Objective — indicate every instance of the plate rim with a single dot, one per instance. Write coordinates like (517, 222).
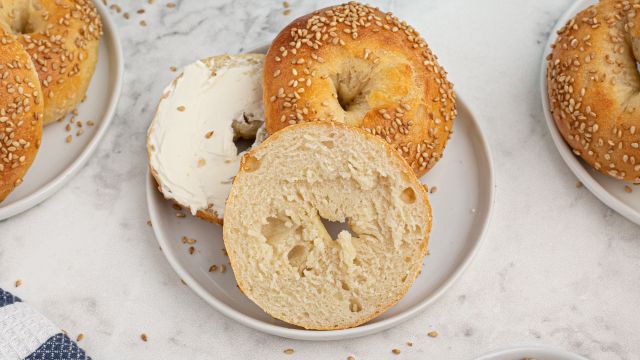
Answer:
(567, 155)
(67, 174)
(520, 349)
(362, 330)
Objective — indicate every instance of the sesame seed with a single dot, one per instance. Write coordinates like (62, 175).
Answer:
(144, 337)
(18, 283)
(288, 351)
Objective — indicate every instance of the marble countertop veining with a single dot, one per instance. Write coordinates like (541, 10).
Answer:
(558, 268)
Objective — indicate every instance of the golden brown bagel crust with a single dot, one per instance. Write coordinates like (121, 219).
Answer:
(21, 107)
(592, 84)
(62, 37)
(381, 67)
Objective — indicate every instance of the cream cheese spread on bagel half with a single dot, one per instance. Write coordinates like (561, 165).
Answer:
(191, 142)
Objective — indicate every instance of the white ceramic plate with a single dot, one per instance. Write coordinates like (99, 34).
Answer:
(461, 210)
(609, 190)
(58, 161)
(539, 353)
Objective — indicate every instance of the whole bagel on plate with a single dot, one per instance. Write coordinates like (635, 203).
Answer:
(356, 65)
(593, 87)
(62, 37)
(21, 107)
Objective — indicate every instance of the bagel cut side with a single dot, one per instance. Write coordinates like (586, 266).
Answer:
(356, 65)
(593, 86)
(282, 255)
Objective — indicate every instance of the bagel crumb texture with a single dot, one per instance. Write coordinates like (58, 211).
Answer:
(592, 84)
(354, 64)
(281, 246)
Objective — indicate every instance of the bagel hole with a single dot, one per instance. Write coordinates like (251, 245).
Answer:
(27, 18)
(350, 84)
(335, 227)
(246, 130)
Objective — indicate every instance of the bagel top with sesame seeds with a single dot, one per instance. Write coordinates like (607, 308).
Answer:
(62, 37)
(21, 107)
(593, 87)
(356, 65)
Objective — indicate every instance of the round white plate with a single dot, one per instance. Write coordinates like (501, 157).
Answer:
(461, 210)
(58, 161)
(609, 190)
(533, 352)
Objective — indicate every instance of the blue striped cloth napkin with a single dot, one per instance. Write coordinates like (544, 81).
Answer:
(25, 334)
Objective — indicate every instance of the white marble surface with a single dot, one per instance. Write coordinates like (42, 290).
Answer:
(558, 267)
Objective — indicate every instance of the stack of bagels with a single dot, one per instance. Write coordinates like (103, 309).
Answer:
(48, 53)
(335, 124)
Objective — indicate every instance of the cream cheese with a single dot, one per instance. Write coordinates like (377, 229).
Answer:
(191, 139)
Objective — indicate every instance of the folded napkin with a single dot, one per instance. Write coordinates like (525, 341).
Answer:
(27, 334)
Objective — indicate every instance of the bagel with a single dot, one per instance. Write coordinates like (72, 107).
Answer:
(21, 107)
(592, 85)
(356, 65)
(62, 37)
(282, 255)
(192, 154)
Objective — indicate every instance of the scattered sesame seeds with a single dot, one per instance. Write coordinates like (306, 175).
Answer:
(144, 337)
(223, 268)
(286, 12)
(288, 351)
(433, 190)
(143, 23)
(192, 250)
(187, 240)
(173, 68)
(395, 351)
(181, 108)
(68, 139)
(213, 268)
(432, 334)
(79, 337)
(18, 283)
(208, 135)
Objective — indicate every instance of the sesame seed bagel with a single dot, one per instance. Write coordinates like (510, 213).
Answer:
(21, 107)
(62, 37)
(593, 87)
(356, 65)
(277, 226)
